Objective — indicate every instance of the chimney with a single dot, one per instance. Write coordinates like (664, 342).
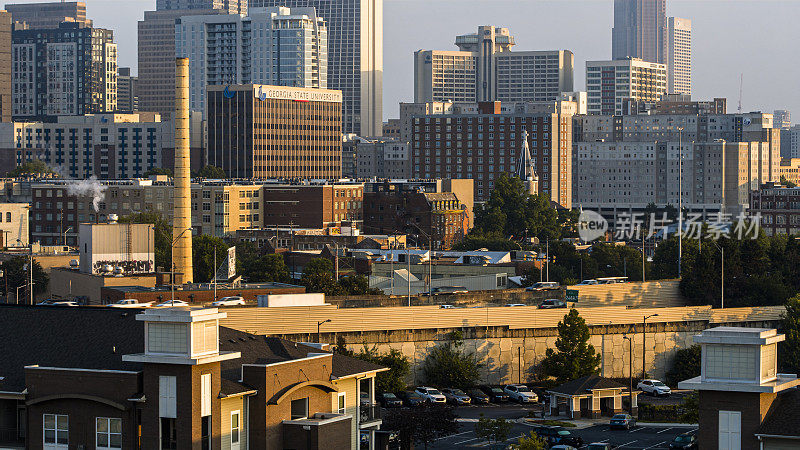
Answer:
(182, 215)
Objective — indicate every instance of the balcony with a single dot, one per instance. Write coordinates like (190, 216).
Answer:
(369, 415)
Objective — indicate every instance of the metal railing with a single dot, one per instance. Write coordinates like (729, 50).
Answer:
(370, 413)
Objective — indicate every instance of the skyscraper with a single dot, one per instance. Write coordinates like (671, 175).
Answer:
(640, 29)
(127, 96)
(5, 66)
(609, 83)
(48, 15)
(781, 119)
(355, 57)
(679, 50)
(485, 69)
(227, 6)
(69, 70)
(275, 46)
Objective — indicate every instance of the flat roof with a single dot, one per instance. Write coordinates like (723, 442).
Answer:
(205, 287)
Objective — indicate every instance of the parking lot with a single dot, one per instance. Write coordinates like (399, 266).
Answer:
(638, 438)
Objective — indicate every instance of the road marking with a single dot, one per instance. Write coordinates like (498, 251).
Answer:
(629, 443)
(464, 442)
(665, 429)
(453, 435)
(656, 445)
(462, 420)
(636, 429)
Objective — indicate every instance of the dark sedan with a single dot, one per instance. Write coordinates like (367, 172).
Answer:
(389, 400)
(686, 441)
(495, 393)
(558, 436)
(411, 398)
(478, 396)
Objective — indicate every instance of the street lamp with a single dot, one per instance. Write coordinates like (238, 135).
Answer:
(644, 340)
(630, 369)
(18, 288)
(320, 324)
(172, 264)
(65, 235)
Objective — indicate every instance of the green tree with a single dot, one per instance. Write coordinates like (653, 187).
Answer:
(787, 183)
(420, 425)
(15, 269)
(203, 249)
(392, 380)
(790, 348)
(530, 442)
(493, 430)
(493, 241)
(162, 235)
(574, 357)
(450, 365)
(318, 277)
(157, 171)
(257, 267)
(210, 171)
(691, 408)
(357, 285)
(30, 167)
(686, 365)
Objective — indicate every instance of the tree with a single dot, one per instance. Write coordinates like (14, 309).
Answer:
(493, 241)
(357, 285)
(30, 167)
(691, 408)
(496, 430)
(787, 183)
(257, 267)
(203, 249)
(686, 365)
(449, 365)
(157, 171)
(574, 357)
(162, 235)
(421, 425)
(318, 277)
(790, 348)
(210, 171)
(530, 442)
(392, 380)
(15, 270)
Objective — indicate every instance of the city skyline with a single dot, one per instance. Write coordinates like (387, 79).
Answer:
(714, 30)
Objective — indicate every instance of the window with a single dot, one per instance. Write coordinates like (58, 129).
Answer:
(300, 408)
(169, 434)
(108, 432)
(341, 402)
(56, 431)
(166, 338)
(235, 427)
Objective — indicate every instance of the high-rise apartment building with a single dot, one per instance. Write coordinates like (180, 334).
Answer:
(609, 83)
(378, 159)
(485, 69)
(259, 131)
(484, 142)
(69, 70)
(640, 30)
(679, 51)
(6, 26)
(275, 46)
(226, 6)
(127, 90)
(48, 15)
(782, 119)
(355, 57)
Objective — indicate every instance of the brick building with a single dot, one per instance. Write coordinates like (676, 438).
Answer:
(486, 143)
(779, 208)
(312, 205)
(164, 378)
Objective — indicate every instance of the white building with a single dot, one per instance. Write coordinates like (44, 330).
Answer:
(679, 50)
(117, 248)
(382, 159)
(485, 69)
(355, 57)
(275, 46)
(609, 82)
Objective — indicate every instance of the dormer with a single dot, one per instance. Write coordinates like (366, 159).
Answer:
(181, 336)
(741, 360)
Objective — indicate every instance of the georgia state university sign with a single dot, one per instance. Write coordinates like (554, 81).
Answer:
(297, 94)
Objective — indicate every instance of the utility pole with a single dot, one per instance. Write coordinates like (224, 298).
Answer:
(336, 261)
(408, 275)
(548, 260)
(215, 274)
(630, 371)
(643, 253)
(680, 198)
(391, 267)
(644, 341)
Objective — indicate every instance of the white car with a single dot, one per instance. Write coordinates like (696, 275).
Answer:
(65, 303)
(520, 393)
(654, 387)
(542, 285)
(130, 303)
(431, 395)
(229, 301)
(170, 303)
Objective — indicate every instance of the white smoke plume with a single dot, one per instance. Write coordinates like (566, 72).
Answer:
(86, 188)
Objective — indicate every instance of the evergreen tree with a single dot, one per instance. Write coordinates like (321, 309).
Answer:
(574, 357)
(790, 348)
(318, 277)
(450, 365)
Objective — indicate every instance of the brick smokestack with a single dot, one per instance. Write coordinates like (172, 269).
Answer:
(182, 215)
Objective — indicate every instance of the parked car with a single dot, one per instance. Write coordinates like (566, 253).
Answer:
(449, 290)
(46, 302)
(410, 398)
(520, 393)
(456, 396)
(430, 394)
(654, 387)
(600, 446)
(563, 447)
(234, 300)
(542, 285)
(552, 303)
(65, 303)
(478, 396)
(389, 400)
(446, 307)
(622, 421)
(169, 303)
(130, 303)
(515, 304)
(496, 395)
(558, 436)
(685, 441)
(588, 282)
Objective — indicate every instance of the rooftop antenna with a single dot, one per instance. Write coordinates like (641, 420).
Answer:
(741, 80)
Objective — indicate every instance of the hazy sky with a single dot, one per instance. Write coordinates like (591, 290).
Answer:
(757, 37)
